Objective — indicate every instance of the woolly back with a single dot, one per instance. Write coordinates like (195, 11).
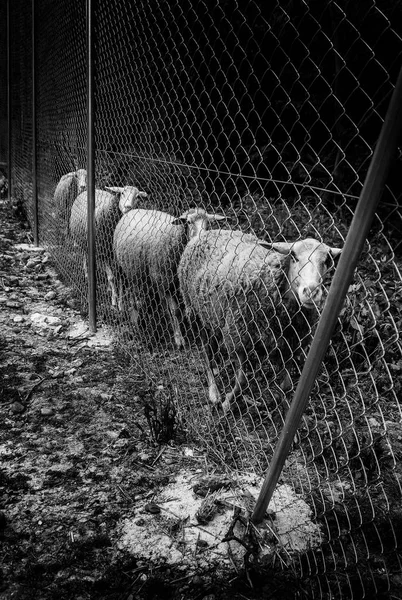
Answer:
(148, 246)
(106, 217)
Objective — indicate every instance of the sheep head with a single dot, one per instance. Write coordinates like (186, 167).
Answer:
(81, 177)
(309, 262)
(129, 197)
(197, 220)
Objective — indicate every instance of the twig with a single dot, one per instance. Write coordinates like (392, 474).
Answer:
(37, 384)
(250, 544)
(182, 578)
(5, 288)
(150, 467)
(159, 455)
(122, 490)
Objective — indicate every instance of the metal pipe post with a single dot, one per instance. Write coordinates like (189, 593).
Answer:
(384, 153)
(9, 164)
(34, 150)
(91, 169)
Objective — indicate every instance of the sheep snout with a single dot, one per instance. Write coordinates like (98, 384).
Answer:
(310, 296)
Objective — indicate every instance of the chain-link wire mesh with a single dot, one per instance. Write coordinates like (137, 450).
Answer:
(21, 105)
(3, 91)
(266, 114)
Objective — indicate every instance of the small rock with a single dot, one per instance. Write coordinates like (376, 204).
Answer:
(50, 295)
(46, 411)
(144, 456)
(11, 304)
(31, 264)
(18, 319)
(44, 320)
(56, 373)
(16, 408)
(152, 508)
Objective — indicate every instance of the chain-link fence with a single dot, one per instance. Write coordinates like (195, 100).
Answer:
(3, 105)
(3, 91)
(265, 113)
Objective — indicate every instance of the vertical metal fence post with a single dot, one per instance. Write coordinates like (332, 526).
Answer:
(369, 198)
(91, 169)
(9, 173)
(34, 155)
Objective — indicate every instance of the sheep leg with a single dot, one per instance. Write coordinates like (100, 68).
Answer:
(135, 304)
(213, 392)
(174, 311)
(85, 267)
(122, 286)
(240, 380)
(134, 316)
(120, 302)
(111, 284)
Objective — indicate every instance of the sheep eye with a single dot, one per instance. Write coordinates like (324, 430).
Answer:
(293, 256)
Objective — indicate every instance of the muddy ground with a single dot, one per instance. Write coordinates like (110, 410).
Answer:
(77, 458)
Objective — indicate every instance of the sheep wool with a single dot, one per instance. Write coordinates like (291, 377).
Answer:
(148, 248)
(109, 206)
(67, 189)
(238, 290)
(148, 245)
(233, 285)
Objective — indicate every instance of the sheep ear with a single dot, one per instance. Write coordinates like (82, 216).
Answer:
(335, 252)
(281, 247)
(142, 194)
(116, 190)
(216, 217)
(182, 220)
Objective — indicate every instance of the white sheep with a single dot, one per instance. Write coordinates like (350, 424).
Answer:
(67, 189)
(109, 206)
(247, 295)
(148, 246)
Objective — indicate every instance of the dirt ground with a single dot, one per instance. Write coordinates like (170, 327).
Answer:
(78, 461)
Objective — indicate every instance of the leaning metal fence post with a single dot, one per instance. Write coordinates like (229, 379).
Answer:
(9, 173)
(91, 170)
(369, 198)
(34, 140)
